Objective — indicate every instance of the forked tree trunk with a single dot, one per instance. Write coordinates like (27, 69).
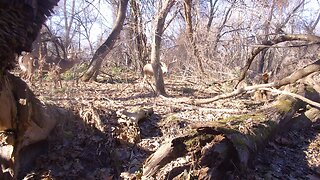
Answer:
(104, 49)
(156, 44)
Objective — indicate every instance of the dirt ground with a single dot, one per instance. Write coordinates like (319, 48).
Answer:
(98, 143)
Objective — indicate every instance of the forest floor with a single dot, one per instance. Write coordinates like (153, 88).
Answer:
(98, 143)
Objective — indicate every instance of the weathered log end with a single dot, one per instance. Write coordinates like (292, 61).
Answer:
(25, 123)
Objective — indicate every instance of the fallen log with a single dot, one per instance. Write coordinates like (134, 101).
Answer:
(223, 148)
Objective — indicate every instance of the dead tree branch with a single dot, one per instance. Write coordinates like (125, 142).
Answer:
(277, 91)
(233, 93)
(280, 39)
(299, 74)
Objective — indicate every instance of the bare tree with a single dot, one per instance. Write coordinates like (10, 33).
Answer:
(156, 44)
(68, 22)
(86, 21)
(211, 13)
(139, 36)
(187, 4)
(278, 29)
(104, 49)
(266, 37)
(312, 26)
(267, 44)
(223, 24)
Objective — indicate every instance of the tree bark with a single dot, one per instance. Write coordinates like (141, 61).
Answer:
(187, 4)
(105, 48)
(211, 13)
(140, 45)
(24, 119)
(156, 44)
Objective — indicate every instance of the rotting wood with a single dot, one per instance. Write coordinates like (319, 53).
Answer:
(299, 74)
(230, 143)
(293, 95)
(30, 121)
(305, 119)
(311, 82)
(137, 114)
(26, 120)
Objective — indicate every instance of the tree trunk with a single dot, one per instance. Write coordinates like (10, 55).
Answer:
(141, 52)
(189, 31)
(104, 49)
(278, 30)
(211, 13)
(68, 25)
(266, 27)
(156, 44)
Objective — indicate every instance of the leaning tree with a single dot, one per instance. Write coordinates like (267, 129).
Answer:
(104, 49)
